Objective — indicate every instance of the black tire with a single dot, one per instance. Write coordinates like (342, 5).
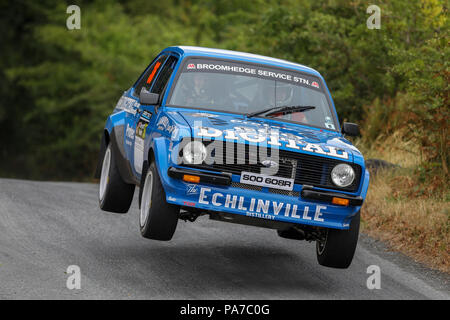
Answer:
(339, 246)
(158, 219)
(114, 194)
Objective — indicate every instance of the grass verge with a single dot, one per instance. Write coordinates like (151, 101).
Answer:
(407, 208)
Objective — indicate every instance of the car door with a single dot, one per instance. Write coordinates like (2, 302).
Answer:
(145, 117)
(146, 80)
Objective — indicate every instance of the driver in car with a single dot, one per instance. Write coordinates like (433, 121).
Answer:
(280, 94)
(198, 94)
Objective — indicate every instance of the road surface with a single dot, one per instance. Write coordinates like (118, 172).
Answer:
(47, 226)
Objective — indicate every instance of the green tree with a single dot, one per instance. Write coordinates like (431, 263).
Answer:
(80, 78)
(58, 86)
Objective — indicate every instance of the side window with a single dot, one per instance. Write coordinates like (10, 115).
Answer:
(164, 75)
(149, 76)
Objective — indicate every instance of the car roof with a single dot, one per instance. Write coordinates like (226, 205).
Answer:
(243, 56)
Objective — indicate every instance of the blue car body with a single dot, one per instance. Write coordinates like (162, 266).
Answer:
(142, 133)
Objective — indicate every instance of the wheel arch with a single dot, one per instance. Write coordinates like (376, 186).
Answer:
(150, 155)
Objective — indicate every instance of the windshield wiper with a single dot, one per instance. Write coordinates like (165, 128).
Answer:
(281, 109)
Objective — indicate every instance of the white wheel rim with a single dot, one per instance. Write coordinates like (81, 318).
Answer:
(146, 198)
(104, 177)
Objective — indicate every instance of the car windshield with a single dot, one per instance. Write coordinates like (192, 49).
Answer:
(246, 89)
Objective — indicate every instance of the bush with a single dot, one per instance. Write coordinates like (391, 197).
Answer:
(62, 84)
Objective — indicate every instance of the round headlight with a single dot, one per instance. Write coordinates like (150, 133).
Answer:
(194, 152)
(342, 175)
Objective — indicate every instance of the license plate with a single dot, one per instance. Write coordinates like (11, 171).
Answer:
(263, 180)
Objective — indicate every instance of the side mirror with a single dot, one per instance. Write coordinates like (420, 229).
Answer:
(148, 98)
(351, 129)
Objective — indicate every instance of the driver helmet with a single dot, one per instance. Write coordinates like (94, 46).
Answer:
(279, 93)
(283, 93)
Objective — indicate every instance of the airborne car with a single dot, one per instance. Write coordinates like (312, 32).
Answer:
(240, 137)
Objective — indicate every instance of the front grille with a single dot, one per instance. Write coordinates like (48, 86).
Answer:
(258, 188)
(305, 169)
(285, 192)
(246, 186)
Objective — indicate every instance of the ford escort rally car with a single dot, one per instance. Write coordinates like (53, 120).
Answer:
(240, 137)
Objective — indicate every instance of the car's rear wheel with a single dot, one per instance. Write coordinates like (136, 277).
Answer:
(158, 219)
(114, 194)
(338, 247)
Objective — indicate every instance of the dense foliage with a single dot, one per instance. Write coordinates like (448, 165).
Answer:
(57, 86)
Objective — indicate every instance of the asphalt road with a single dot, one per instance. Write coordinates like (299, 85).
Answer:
(45, 227)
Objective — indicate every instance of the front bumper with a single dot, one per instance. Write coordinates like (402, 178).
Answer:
(215, 192)
(205, 178)
(327, 196)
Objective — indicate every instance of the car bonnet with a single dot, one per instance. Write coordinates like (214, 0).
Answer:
(209, 125)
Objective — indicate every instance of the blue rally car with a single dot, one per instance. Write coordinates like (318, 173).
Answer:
(240, 137)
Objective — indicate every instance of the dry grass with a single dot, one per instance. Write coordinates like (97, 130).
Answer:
(394, 149)
(412, 217)
(418, 227)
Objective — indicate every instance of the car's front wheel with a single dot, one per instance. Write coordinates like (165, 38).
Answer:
(337, 248)
(114, 194)
(158, 219)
